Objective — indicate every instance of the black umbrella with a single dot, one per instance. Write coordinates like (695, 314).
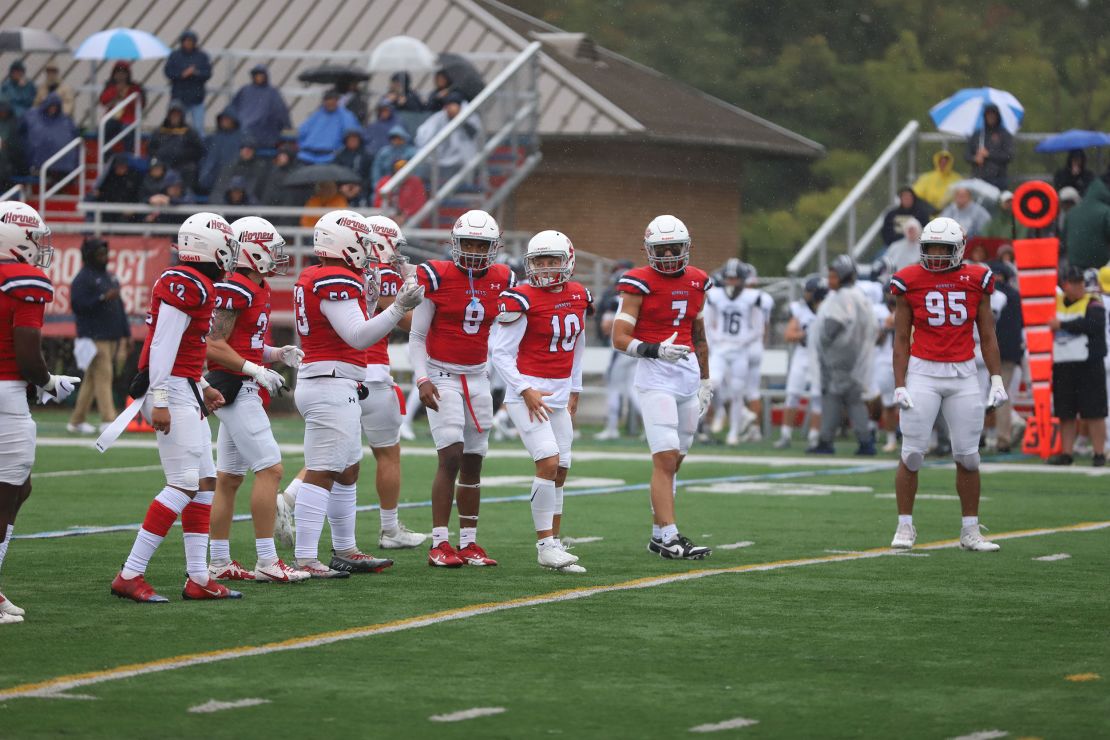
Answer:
(30, 39)
(315, 173)
(464, 75)
(333, 74)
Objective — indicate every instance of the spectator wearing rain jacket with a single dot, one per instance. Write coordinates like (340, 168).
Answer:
(353, 155)
(376, 134)
(220, 149)
(118, 88)
(187, 69)
(400, 147)
(401, 95)
(443, 83)
(55, 84)
(461, 146)
(120, 184)
(990, 149)
(908, 207)
(48, 130)
(17, 89)
(321, 137)
(971, 216)
(261, 111)
(254, 170)
(1087, 236)
(933, 187)
(178, 145)
(11, 140)
(407, 199)
(1074, 173)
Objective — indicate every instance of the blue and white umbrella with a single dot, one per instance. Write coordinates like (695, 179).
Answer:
(962, 113)
(122, 43)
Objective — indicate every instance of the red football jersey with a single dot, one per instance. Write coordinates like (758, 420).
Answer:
(391, 282)
(319, 340)
(671, 302)
(945, 306)
(24, 292)
(192, 293)
(460, 328)
(252, 301)
(554, 322)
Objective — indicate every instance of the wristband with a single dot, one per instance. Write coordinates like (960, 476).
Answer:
(250, 368)
(161, 397)
(649, 350)
(203, 384)
(422, 381)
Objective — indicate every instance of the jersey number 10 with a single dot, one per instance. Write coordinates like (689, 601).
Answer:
(954, 315)
(571, 327)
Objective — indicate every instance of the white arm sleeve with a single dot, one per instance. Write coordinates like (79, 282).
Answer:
(576, 369)
(504, 343)
(418, 338)
(354, 328)
(172, 323)
(270, 354)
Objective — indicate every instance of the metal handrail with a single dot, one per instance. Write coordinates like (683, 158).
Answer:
(78, 172)
(471, 110)
(136, 126)
(819, 241)
(13, 193)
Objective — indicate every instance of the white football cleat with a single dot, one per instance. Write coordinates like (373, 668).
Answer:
(607, 434)
(972, 539)
(719, 420)
(572, 568)
(407, 433)
(554, 557)
(279, 572)
(10, 618)
(82, 428)
(7, 607)
(904, 537)
(891, 446)
(400, 538)
(732, 440)
(285, 527)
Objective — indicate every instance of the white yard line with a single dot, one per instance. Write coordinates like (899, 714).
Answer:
(983, 735)
(735, 545)
(63, 684)
(728, 724)
(218, 706)
(468, 714)
(95, 471)
(1053, 558)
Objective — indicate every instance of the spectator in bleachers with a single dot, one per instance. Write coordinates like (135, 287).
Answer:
(321, 137)
(261, 111)
(117, 89)
(442, 81)
(48, 131)
(461, 146)
(154, 181)
(351, 98)
(17, 89)
(188, 68)
(6, 173)
(353, 155)
(11, 141)
(177, 144)
(1074, 173)
(909, 206)
(253, 169)
(400, 147)
(1069, 198)
(174, 193)
(401, 95)
(990, 149)
(971, 216)
(354, 193)
(1003, 225)
(120, 184)
(907, 250)
(377, 133)
(407, 199)
(55, 84)
(237, 193)
(327, 195)
(221, 147)
(1087, 228)
(275, 193)
(933, 187)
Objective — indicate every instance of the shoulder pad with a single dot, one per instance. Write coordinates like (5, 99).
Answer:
(338, 284)
(389, 282)
(28, 284)
(508, 317)
(630, 283)
(898, 285)
(515, 300)
(182, 289)
(429, 275)
(232, 295)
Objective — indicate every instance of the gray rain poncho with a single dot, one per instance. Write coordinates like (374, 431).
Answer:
(842, 340)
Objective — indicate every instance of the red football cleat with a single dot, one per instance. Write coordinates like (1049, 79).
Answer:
(231, 571)
(473, 554)
(444, 556)
(136, 589)
(193, 591)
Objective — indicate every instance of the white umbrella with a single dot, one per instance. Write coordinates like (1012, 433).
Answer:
(122, 43)
(30, 39)
(402, 54)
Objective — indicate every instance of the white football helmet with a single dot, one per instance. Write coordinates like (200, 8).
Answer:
(207, 237)
(946, 232)
(667, 243)
(475, 226)
(386, 241)
(261, 247)
(343, 235)
(549, 244)
(24, 236)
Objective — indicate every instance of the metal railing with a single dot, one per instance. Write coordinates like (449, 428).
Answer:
(506, 111)
(78, 172)
(134, 127)
(15, 192)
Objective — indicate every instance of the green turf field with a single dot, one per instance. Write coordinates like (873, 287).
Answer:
(848, 642)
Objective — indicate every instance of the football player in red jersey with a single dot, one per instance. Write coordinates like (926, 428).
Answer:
(24, 292)
(329, 302)
(939, 301)
(170, 385)
(659, 321)
(537, 346)
(237, 350)
(448, 344)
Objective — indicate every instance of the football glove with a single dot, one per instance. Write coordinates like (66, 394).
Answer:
(264, 376)
(291, 355)
(410, 296)
(902, 398)
(705, 396)
(672, 352)
(58, 388)
(996, 396)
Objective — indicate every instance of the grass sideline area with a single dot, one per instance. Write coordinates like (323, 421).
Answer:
(806, 626)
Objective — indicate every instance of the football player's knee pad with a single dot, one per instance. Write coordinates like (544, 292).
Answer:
(968, 462)
(912, 460)
(186, 479)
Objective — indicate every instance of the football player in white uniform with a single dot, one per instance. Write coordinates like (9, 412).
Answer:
(622, 368)
(799, 381)
(733, 327)
(760, 305)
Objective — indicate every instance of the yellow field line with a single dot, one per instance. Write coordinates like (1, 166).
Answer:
(55, 686)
